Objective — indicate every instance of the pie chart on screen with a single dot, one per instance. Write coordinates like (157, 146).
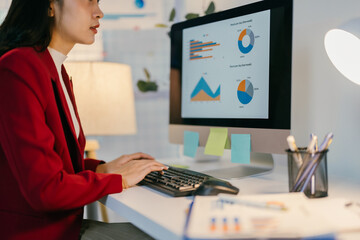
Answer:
(245, 91)
(246, 48)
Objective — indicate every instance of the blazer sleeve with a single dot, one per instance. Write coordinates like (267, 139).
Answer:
(91, 164)
(28, 142)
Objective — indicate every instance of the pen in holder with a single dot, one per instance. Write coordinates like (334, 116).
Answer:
(308, 172)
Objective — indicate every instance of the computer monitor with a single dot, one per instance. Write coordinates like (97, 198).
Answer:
(233, 69)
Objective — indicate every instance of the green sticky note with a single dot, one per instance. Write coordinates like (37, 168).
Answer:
(179, 166)
(216, 141)
(240, 148)
(227, 144)
(191, 143)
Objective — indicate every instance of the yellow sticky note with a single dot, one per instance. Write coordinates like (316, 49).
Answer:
(216, 141)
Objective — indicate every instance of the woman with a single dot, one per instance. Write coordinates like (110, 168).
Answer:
(45, 182)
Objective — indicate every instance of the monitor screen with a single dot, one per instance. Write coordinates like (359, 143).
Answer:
(227, 77)
(233, 69)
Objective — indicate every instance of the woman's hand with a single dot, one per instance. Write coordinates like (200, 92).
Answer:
(134, 171)
(114, 165)
(133, 167)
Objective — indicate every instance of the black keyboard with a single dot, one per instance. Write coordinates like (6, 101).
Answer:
(178, 182)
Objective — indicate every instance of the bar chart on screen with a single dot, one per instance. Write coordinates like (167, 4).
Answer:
(201, 50)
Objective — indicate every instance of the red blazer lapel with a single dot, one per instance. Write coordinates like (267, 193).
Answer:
(69, 87)
(80, 143)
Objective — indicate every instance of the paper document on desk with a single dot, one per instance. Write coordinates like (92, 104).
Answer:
(289, 215)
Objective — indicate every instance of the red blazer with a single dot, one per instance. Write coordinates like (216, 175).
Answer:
(44, 179)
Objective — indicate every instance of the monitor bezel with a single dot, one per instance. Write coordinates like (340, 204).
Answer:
(279, 67)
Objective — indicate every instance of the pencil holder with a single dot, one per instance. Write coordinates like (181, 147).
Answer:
(308, 172)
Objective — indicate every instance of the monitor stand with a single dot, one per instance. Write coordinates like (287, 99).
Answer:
(222, 167)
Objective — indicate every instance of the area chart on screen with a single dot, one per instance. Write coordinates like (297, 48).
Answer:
(202, 92)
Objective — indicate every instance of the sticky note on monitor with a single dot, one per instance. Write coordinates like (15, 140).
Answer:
(216, 141)
(191, 143)
(240, 148)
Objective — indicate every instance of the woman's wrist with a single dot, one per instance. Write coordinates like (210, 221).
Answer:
(101, 168)
(124, 183)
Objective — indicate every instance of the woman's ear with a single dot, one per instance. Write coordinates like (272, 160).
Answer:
(51, 11)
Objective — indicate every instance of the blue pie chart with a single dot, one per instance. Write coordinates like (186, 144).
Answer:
(245, 91)
(246, 49)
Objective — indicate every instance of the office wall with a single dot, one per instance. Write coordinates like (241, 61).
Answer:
(4, 5)
(133, 39)
(323, 100)
(148, 47)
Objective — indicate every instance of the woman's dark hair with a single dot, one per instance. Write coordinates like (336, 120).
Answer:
(27, 24)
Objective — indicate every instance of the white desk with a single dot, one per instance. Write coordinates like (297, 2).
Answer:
(163, 217)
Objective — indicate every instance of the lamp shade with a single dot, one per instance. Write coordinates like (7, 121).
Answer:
(104, 97)
(343, 48)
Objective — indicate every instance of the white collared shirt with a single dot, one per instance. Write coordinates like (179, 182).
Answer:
(59, 59)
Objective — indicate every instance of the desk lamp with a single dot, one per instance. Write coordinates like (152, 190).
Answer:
(105, 101)
(104, 97)
(343, 48)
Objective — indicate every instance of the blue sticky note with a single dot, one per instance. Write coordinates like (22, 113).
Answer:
(191, 143)
(240, 148)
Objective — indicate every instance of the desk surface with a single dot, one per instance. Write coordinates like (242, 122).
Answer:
(163, 217)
